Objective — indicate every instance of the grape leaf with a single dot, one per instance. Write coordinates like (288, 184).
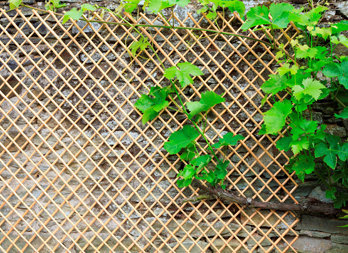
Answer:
(309, 87)
(307, 19)
(299, 144)
(184, 73)
(275, 117)
(53, 5)
(228, 139)
(184, 183)
(130, 5)
(322, 32)
(284, 143)
(188, 172)
(302, 165)
(257, 16)
(209, 176)
(330, 158)
(14, 4)
(280, 14)
(303, 51)
(237, 6)
(343, 152)
(180, 139)
(339, 27)
(332, 70)
(191, 170)
(154, 6)
(189, 153)
(74, 14)
(341, 39)
(181, 3)
(150, 105)
(141, 45)
(88, 7)
(343, 78)
(201, 161)
(274, 84)
(207, 101)
(286, 69)
(221, 170)
(343, 114)
(301, 127)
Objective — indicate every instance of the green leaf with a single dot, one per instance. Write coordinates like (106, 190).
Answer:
(343, 114)
(188, 172)
(233, 6)
(341, 39)
(309, 87)
(343, 78)
(150, 105)
(72, 14)
(308, 19)
(141, 45)
(14, 4)
(330, 158)
(339, 27)
(343, 152)
(209, 177)
(332, 70)
(170, 73)
(286, 69)
(208, 100)
(181, 3)
(189, 153)
(183, 183)
(154, 6)
(280, 14)
(180, 139)
(184, 73)
(301, 127)
(221, 170)
(284, 143)
(186, 70)
(299, 144)
(228, 139)
(303, 51)
(274, 84)
(88, 7)
(53, 5)
(211, 15)
(275, 117)
(302, 165)
(322, 32)
(130, 5)
(256, 16)
(201, 161)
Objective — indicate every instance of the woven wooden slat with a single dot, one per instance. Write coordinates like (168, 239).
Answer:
(79, 172)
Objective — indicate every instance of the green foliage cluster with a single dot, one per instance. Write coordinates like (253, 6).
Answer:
(309, 73)
(314, 73)
(345, 217)
(184, 142)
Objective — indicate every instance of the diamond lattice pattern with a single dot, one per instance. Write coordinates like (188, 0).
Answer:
(80, 173)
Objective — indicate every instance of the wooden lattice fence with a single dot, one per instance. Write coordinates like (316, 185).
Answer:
(78, 170)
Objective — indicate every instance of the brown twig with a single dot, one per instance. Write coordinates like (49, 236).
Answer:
(312, 208)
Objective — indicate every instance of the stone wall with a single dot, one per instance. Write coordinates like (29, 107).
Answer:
(316, 234)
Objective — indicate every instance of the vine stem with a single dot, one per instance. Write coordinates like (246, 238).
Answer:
(194, 123)
(158, 26)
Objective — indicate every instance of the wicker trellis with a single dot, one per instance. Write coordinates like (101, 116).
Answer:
(78, 170)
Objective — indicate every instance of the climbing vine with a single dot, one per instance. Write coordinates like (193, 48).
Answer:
(309, 70)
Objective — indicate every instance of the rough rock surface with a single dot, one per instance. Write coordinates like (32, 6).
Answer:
(69, 154)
